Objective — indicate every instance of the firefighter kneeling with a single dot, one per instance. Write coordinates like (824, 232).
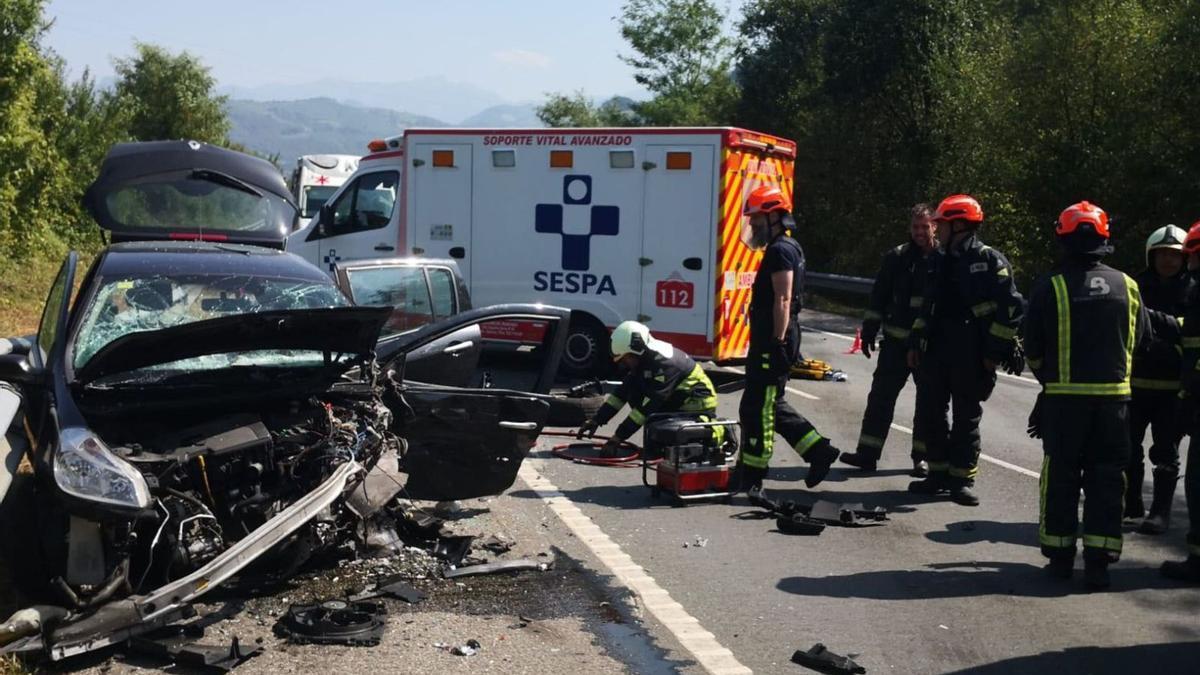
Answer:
(1084, 322)
(661, 379)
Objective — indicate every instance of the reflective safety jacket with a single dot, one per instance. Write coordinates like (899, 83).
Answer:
(1156, 367)
(665, 380)
(1190, 339)
(897, 295)
(1084, 323)
(972, 283)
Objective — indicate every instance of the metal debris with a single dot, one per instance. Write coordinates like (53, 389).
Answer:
(334, 622)
(178, 645)
(820, 659)
(493, 568)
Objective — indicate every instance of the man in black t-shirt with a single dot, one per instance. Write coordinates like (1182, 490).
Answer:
(775, 346)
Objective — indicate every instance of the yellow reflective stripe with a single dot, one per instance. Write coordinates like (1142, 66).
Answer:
(918, 324)
(810, 439)
(964, 473)
(1159, 385)
(756, 461)
(919, 446)
(1106, 543)
(868, 441)
(613, 401)
(1003, 332)
(896, 332)
(1063, 303)
(768, 421)
(983, 308)
(1044, 538)
(916, 301)
(872, 315)
(1089, 388)
(1191, 342)
(1135, 306)
(637, 416)
(1035, 364)
(1002, 272)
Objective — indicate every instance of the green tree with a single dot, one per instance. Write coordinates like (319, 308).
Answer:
(577, 110)
(170, 96)
(682, 55)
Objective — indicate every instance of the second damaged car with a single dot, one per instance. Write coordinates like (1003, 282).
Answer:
(203, 404)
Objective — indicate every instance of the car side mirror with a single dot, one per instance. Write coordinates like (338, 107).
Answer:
(16, 369)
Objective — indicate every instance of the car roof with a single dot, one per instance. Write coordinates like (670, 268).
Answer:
(149, 258)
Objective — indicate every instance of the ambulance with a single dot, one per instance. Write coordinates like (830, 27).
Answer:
(614, 224)
(316, 178)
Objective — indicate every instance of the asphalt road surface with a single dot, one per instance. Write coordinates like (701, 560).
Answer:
(939, 588)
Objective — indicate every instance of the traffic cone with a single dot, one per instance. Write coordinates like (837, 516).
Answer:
(857, 346)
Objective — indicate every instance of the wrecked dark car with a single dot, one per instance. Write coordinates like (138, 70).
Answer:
(205, 403)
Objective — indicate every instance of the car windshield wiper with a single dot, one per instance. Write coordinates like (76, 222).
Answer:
(225, 179)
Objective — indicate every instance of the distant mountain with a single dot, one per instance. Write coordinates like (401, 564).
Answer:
(507, 115)
(433, 96)
(314, 125)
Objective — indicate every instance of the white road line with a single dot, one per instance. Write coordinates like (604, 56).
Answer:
(703, 645)
(801, 394)
(850, 338)
(994, 460)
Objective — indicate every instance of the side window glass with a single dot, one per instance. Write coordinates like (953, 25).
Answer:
(49, 327)
(441, 287)
(401, 288)
(367, 204)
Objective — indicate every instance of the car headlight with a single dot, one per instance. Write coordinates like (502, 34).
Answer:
(85, 468)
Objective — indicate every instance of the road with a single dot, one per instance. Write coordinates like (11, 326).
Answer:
(939, 588)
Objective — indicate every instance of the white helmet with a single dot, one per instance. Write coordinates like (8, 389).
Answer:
(631, 337)
(1165, 237)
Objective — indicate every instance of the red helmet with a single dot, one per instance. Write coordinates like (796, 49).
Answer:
(1080, 214)
(959, 207)
(1192, 243)
(766, 199)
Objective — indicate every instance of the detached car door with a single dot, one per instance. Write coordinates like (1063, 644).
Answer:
(469, 441)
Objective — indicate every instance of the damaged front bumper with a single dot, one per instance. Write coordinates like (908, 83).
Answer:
(119, 620)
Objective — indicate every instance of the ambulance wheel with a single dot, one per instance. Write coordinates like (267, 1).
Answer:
(586, 351)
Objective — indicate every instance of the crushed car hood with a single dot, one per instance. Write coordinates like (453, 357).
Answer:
(347, 330)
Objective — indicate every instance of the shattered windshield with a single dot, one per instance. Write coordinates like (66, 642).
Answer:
(128, 305)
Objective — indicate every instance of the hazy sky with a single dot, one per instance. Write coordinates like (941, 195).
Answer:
(519, 49)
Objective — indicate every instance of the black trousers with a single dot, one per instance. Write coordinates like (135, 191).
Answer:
(952, 385)
(1158, 410)
(891, 374)
(1086, 445)
(763, 413)
(1191, 488)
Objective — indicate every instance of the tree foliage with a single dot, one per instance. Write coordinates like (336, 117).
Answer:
(577, 110)
(171, 96)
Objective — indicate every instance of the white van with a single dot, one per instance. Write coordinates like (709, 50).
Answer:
(316, 178)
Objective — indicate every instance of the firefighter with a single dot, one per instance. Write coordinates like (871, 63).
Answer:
(775, 301)
(1188, 569)
(1084, 322)
(896, 297)
(965, 330)
(660, 379)
(1165, 286)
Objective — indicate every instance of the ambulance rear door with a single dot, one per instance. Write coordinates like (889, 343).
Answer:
(678, 274)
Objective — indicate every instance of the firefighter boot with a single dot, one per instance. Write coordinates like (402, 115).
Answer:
(920, 469)
(1061, 566)
(937, 482)
(746, 478)
(859, 460)
(1134, 506)
(1183, 570)
(1159, 518)
(820, 458)
(1095, 574)
(964, 494)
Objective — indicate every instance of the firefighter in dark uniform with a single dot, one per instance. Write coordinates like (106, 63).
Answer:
(1084, 322)
(775, 300)
(1165, 286)
(967, 328)
(896, 298)
(1188, 569)
(660, 379)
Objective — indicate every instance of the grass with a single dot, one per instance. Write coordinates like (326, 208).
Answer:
(23, 291)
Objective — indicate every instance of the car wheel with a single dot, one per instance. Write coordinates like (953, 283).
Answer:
(586, 351)
(570, 411)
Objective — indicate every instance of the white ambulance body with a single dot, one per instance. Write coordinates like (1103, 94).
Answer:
(316, 178)
(615, 224)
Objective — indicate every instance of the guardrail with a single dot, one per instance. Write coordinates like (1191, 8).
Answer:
(839, 282)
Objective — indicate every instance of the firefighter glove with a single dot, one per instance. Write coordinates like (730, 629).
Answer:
(1035, 419)
(781, 358)
(868, 343)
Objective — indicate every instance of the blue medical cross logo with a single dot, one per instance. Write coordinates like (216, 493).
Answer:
(576, 248)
